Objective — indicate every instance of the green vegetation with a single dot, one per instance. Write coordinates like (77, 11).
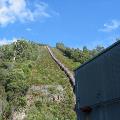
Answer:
(72, 58)
(33, 86)
(69, 63)
(22, 65)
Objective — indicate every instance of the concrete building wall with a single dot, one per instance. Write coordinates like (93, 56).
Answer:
(102, 112)
(98, 86)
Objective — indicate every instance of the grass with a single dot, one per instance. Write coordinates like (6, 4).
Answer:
(47, 72)
(69, 63)
(42, 70)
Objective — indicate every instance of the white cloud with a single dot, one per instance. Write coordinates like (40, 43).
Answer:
(28, 29)
(113, 25)
(14, 10)
(4, 41)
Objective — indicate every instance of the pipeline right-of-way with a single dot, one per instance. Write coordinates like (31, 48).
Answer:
(67, 72)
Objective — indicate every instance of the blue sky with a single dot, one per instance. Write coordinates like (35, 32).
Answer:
(76, 23)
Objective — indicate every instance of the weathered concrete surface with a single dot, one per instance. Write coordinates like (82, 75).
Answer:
(43, 93)
(46, 93)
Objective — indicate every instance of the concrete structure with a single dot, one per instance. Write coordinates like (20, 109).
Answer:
(98, 86)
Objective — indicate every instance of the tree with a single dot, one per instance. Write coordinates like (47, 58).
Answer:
(117, 39)
(99, 48)
(60, 46)
(85, 49)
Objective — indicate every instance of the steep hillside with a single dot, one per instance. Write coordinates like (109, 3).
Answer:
(35, 87)
(74, 57)
(69, 63)
(3, 102)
